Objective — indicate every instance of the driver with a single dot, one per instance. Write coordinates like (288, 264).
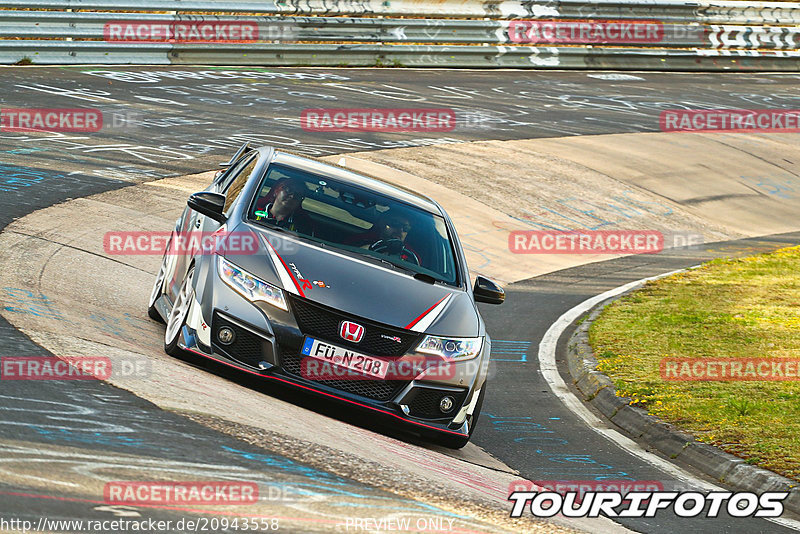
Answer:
(281, 206)
(388, 236)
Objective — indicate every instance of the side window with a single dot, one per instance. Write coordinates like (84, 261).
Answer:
(236, 182)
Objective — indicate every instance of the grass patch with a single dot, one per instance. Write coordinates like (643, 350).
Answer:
(741, 308)
(392, 64)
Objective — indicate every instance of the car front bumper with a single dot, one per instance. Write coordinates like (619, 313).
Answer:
(270, 349)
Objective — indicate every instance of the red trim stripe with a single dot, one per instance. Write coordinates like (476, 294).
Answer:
(291, 274)
(426, 312)
(324, 393)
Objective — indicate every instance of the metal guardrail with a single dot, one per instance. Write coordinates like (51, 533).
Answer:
(702, 11)
(334, 55)
(33, 24)
(529, 36)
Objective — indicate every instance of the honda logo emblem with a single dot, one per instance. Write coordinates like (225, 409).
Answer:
(351, 331)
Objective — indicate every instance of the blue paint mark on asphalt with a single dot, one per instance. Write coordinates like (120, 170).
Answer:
(570, 466)
(12, 177)
(784, 186)
(118, 327)
(323, 481)
(23, 151)
(99, 438)
(109, 325)
(289, 466)
(575, 213)
(26, 302)
(514, 351)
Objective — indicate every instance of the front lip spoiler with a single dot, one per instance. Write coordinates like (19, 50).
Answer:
(195, 349)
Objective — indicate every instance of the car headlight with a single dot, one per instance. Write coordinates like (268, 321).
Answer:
(249, 286)
(451, 348)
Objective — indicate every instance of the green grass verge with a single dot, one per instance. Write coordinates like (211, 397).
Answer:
(745, 308)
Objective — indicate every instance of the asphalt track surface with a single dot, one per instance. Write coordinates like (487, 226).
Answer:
(183, 122)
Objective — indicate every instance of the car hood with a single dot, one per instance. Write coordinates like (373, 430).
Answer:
(360, 287)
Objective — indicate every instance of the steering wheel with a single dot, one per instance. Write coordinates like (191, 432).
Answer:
(395, 247)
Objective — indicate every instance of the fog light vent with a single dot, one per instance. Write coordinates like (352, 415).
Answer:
(446, 404)
(226, 336)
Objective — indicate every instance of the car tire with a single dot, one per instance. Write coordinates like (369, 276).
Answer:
(152, 312)
(156, 293)
(457, 442)
(177, 316)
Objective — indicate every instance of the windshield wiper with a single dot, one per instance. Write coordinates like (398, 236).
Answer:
(375, 259)
(428, 279)
(398, 266)
(270, 226)
(423, 277)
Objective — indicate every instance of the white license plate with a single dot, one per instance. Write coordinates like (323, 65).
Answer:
(347, 358)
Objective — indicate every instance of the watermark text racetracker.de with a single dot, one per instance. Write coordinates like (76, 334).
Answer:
(582, 487)
(198, 31)
(353, 366)
(378, 120)
(714, 369)
(600, 32)
(181, 493)
(65, 120)
(613, 504)
(597, 241)
(730, 120)
(148, 243)
(74, 368)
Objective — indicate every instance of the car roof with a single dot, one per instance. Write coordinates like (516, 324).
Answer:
(353, 178)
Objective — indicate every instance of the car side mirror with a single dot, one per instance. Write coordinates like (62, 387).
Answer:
(209, 204)
(487, 291)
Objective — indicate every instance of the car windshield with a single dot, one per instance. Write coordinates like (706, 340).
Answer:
(355, 220)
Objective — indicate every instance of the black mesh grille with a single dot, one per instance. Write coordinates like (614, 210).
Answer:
(247, 347)
(381, 390)
(425, 402)
(317, 320)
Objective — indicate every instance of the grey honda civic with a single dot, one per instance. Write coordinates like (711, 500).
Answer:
(333, 282)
